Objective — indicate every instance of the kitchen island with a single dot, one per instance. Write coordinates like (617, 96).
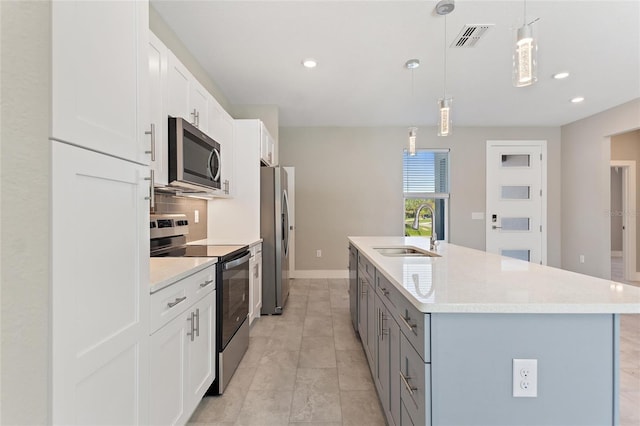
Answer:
(441, 333)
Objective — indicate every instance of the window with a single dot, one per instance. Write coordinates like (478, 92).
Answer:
(425, 178)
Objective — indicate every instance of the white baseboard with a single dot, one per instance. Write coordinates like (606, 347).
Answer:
(320, 273)
(616, 253)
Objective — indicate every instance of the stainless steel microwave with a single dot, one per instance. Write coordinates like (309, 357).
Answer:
(194, 158)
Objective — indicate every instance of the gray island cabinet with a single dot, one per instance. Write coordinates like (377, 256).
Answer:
(443, 335)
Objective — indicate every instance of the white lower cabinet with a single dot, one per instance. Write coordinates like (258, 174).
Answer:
(182, 361)
(99, 288)
(255, 282)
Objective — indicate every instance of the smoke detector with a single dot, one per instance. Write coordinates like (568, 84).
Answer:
(445, 7)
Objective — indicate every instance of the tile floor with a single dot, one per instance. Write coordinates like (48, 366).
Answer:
(307, 367)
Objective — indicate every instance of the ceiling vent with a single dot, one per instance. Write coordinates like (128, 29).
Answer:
(470, 35)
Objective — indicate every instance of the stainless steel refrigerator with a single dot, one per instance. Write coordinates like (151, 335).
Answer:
(274, 231)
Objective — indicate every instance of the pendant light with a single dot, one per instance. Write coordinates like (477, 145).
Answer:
(411, 65)
(444, 7)
(525, 61)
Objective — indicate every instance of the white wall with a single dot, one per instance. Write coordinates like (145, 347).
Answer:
(25, 31)
(586, 152)
(349, 182)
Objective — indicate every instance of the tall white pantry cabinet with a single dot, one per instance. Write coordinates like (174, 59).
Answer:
(100, 211)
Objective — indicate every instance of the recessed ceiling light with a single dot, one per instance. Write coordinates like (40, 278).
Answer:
(577, 99)
(309, 63)
(561, 75)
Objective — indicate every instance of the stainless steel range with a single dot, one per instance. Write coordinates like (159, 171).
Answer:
(168, 239)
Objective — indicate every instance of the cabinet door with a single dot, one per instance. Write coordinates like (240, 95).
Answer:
(99, 76)
(257, 296)
(394, 367)
(228, 155)
(178, 79)
(252, 285)
(198, 105)
(382, 352)
(158, 107)
(371, 327)
(363, 288)
(100, 288)
(167, 366)
(201, 350)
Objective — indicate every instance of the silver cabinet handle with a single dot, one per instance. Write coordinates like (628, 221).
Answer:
(175, 302)
(496, 227)
(226, 186)
(364, 290)
(192, 321)
(407, 323)
(405, 380)
(197, 326)
(195, 117)
(152, 132)
(384, 291)
(206, 283)
(152, 184)
(255, 271)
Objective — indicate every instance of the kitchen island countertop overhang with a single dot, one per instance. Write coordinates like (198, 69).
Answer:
(467, 280)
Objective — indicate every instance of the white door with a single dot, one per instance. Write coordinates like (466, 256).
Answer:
(167, 365)
(178, 81)
(99, 288)
(516, 199)
(99, 76)
(158, 107)
(200, 350)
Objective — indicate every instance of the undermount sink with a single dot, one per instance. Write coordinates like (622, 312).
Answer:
(404, 251)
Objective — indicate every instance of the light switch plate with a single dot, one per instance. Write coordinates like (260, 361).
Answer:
(525, 378)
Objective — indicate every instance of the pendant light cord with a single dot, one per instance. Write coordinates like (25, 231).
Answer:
(444, 95)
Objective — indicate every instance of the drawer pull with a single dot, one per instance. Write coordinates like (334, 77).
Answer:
(206, 283)
(175, 302)
(384, 291)
(407, 323)
(405, 380)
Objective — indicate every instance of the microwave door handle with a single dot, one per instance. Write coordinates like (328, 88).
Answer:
(217, 176)
(209, 172)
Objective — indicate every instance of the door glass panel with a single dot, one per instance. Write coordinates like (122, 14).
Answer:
(514, 192)
(515, 160)
(517, 254)
(515, 223)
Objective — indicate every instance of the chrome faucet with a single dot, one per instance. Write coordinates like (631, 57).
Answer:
(416, 224)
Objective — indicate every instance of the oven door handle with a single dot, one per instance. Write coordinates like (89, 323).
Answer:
(236, 262)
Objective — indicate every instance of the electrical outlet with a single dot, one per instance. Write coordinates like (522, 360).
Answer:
(525, 378)
(582, 258)
(318, 253)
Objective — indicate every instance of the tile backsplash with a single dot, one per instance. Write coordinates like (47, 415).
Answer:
(167, 203)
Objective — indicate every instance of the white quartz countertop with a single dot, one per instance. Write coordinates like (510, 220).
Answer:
(165, 271)
(468, 280)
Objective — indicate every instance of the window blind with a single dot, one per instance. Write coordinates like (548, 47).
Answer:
(427, 172)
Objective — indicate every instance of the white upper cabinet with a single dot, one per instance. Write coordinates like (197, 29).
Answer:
(158, 97)
(221, 129)
(99, 76)
(267, 147)
(178, 84)
(188, 99)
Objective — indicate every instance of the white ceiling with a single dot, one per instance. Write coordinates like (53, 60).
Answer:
(253, 51)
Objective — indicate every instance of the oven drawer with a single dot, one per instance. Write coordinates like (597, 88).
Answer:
(171, 301)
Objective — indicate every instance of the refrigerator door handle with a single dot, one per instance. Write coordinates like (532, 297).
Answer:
(285, 222)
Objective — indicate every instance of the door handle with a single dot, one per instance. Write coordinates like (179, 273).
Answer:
(496, 227)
